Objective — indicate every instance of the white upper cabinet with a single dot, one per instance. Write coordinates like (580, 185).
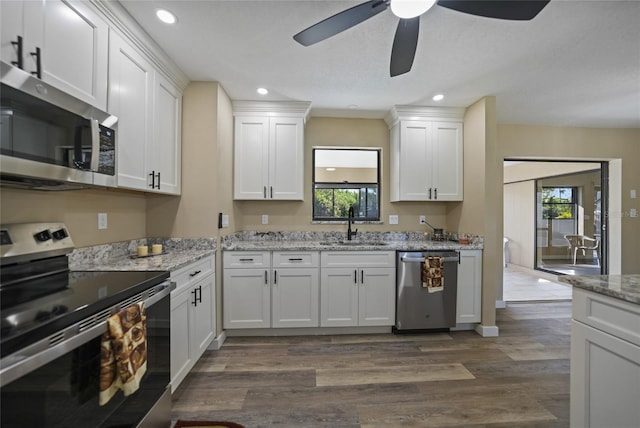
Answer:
(426, 154)
(66, 42)
(148, 108)
(269, 150)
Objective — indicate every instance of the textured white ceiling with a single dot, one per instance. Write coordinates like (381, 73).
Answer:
(576, 64)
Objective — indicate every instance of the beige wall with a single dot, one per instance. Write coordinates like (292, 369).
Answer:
(78, 209)
(532, 170)
(548, 142)
(519, 218)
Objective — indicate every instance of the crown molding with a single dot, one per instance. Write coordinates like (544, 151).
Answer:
(272, 108)
(406, 112)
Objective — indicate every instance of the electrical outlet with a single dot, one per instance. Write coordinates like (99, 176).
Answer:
(422, 220)
(225, 220)
(633, 212)
(393, 219)
(633, 193)
(102, 221)
(265, 219)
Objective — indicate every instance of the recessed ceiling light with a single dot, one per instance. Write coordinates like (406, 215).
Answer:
(331, 169)
(438, 97)
(166, 16)
(262, 91)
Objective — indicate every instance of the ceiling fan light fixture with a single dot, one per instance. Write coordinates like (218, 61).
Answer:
(407, 9)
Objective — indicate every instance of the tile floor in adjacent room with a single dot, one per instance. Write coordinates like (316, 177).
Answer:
(521, 286)
(457, 379)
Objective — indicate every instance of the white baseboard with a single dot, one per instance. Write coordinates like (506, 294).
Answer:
(217, 342)
(501, 304)
(305, 331)
(487, 330)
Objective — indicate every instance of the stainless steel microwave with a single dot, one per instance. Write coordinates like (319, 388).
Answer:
(51, 140)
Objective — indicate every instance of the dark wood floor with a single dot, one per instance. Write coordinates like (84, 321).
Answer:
(457, 379)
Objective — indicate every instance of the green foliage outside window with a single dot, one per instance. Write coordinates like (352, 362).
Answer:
(558, 203)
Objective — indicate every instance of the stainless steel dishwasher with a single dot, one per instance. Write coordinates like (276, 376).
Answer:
(416, 308)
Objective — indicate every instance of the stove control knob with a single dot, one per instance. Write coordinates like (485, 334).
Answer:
(43, 236)
(60, 234)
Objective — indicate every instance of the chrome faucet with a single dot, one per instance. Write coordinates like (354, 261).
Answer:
(350, 234)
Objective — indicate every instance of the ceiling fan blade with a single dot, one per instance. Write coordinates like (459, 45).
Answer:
(340, 21)
(518, 10)
(404, 46)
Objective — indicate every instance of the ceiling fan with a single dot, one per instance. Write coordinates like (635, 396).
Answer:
(409, 11)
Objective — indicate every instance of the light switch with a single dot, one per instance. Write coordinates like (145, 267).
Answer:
(265, 219)
(633, 212)
(102, 221)
(393, 219)
(632, 193)
(225, 220)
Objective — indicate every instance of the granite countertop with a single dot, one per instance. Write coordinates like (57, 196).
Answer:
(169, 261)
(623, 287)
(355, 245)
(177, 253)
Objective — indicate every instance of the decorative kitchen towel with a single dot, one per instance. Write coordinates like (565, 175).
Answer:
(433, 274)
(124, 352)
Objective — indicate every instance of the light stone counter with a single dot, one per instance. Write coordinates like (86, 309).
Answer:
(177, 253)
(623, 287)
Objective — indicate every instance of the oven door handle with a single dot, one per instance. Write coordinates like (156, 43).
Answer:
(40, 353)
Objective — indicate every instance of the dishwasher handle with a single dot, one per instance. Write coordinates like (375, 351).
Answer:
(421, 259)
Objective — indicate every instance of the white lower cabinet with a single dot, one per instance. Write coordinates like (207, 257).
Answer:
(192, 316)
(263, 290)
(357, 288)
(605, 361)
(469, 301)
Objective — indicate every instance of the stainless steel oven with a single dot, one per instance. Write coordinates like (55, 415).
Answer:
(52, 327)
(48, 136)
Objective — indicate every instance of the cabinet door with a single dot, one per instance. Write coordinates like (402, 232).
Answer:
(469, 300)
(181, 354)
(415, 161)
(246, 298)
(295, 296)
(605, 379)
(251, 149)
(286, 159)
(130, 97)
(202, 328)
(164, 147)
(447, 162)
(377, 297)
(339, 297)
(11, 18)
(73, 42)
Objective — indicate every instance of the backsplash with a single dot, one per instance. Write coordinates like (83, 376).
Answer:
(227, 241)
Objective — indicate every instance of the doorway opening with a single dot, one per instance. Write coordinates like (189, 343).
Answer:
(552, 209)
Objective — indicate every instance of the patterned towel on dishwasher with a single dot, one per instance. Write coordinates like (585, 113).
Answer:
(433, 274)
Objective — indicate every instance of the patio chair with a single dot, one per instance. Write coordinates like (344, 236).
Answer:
(584, 243)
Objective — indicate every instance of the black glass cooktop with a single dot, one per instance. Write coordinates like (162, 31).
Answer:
(38, 308)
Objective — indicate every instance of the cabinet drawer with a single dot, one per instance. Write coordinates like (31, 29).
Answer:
(613, 316)
(358, 259)
(246, 259)
(192, 272)
(282, 259)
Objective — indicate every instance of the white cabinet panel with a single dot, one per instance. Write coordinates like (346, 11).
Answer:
(247, 298)
(295, 297)
(339, 297)
(469, 299)
(165, 147)
(72, 41)
(377, 297)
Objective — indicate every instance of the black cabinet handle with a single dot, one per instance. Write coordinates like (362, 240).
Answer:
(153, 180)
(200, 294)
(275, 276)
(195, 298)
(246, 260)
(271, 190)
(195, 273)
(266, 279)
(38, 72)
(18, 44)
(158, 180)
(435, 191)
(355, 276)
(361, 277)
(264, 191)
(429, 192)
(295, 260)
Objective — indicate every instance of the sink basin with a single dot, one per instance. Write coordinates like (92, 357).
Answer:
(363, 243)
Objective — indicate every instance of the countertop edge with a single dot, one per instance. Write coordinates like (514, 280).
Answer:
(621, 287)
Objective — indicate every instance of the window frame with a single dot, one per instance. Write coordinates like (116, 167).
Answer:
(347, 185)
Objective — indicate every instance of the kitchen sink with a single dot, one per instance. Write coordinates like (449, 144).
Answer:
(363, 243)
